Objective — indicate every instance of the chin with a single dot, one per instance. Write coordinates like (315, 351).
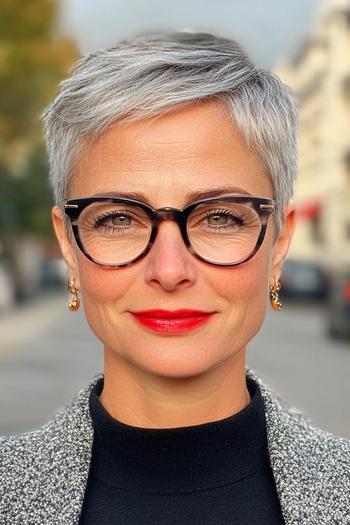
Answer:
(177, 362)
(181, 371)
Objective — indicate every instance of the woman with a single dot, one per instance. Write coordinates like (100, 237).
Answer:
(172, 162)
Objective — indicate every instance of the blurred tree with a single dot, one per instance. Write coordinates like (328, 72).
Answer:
(31, 196)
(33, 59)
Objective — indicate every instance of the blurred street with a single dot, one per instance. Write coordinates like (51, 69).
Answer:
(47, 354)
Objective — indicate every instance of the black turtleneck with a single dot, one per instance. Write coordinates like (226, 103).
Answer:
(212, 473)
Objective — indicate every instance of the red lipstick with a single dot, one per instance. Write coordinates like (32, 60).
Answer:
(171, 322)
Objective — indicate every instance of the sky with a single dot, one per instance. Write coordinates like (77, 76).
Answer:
(269, 30)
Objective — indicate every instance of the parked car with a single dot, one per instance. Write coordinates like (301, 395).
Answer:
(339, 305)
(52, 274)
(304, 280)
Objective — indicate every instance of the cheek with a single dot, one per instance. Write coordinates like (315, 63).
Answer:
(243, 284)
(245, 293)
(102, 286)
(104, 291)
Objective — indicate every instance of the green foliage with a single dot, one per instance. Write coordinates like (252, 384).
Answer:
(25, 201)
(33, 197)
(32, 62)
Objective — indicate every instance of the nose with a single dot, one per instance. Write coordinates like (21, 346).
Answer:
(169, 264)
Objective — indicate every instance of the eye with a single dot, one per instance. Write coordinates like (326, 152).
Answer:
(114, 218)
(224, 218)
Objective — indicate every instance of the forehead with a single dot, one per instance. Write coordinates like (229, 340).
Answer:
(193, 148)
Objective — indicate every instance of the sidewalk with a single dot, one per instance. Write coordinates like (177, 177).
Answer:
(47, 354)
(22, 324)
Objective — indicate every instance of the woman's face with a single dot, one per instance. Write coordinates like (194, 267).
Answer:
(167, 158)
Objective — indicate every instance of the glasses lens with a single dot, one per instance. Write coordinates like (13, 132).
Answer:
(114, 234)
(223, 232)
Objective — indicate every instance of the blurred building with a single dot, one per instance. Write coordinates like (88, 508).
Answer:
(320, 77)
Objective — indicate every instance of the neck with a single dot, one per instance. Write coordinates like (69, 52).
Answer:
(139, 398)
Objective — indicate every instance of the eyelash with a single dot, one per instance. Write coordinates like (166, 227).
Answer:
(98, 221)
(227, 213)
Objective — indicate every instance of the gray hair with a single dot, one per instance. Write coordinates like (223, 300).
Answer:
(152, 74)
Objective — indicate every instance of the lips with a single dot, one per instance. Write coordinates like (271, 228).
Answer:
(171, 314)
(172, 321)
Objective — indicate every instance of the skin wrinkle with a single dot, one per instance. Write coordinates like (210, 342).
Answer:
(156, 380)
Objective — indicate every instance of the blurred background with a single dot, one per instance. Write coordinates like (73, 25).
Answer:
(47, 353)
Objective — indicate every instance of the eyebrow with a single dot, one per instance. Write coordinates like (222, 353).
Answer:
(190, 197)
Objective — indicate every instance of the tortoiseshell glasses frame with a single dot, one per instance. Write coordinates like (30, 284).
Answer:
(263, 207)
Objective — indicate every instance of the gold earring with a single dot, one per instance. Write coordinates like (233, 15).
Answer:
(275, 288)
(74, 301)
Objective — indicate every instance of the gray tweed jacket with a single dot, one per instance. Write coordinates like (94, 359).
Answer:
(43, 474)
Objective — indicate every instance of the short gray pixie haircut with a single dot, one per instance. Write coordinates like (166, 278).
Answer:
(152, 74)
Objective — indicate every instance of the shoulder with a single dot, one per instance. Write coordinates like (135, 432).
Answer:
(319, 463)
(38, 469)
(311, 466)
(20, 453)
(24, 460)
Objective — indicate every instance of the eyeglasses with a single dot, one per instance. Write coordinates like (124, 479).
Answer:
(223, 231)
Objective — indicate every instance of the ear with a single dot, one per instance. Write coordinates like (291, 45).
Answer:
(282, 242)
(66, 244)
